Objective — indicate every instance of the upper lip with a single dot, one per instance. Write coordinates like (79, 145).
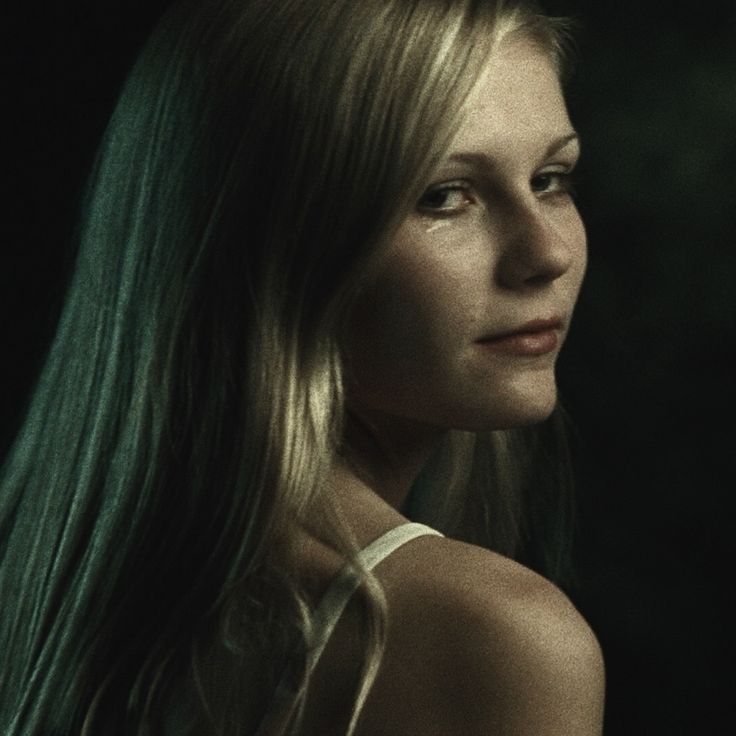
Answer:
(534, 325)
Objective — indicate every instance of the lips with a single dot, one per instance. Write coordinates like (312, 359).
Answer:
(535, 325)
(536, 337)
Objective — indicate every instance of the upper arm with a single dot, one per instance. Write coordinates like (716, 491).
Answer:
(530, 666)
(480, 646)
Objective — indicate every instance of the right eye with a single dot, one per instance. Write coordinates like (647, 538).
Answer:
(451, 198)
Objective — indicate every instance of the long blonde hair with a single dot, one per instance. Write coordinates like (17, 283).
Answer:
(190, 405)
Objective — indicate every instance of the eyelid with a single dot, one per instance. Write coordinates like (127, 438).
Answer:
(568, 163)
(459, 183)
(565, 182)
(477, 191)
(556, 166)
(450, 185)
(565, 168)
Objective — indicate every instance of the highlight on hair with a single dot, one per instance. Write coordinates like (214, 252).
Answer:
(190, 406)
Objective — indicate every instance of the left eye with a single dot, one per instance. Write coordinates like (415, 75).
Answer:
(552, 182)
(445, 199)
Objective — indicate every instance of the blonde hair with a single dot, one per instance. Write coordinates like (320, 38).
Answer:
(190, 406)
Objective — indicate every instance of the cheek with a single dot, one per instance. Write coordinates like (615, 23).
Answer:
(397, 319)
(408, 325)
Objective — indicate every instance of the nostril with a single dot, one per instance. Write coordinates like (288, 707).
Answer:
(538, 242)
(539, 279)
(534, 259)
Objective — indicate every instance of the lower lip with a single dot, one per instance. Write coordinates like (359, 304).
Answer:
(524, 343)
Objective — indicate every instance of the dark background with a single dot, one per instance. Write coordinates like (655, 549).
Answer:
(647, 371)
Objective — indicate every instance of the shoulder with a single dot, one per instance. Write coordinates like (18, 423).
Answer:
(478, 644)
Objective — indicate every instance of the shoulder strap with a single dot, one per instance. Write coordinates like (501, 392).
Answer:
(382, 547)
(328, 613)
(333, 602)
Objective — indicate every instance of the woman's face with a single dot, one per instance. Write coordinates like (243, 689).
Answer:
(463, 322)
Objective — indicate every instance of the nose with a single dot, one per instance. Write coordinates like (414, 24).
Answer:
(538, 247)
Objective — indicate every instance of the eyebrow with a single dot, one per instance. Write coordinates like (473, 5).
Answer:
(560, 143)
(484, 159)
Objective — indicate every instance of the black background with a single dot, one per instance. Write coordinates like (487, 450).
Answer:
(647, 371)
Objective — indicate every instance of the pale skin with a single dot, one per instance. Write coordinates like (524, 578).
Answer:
(477, 644)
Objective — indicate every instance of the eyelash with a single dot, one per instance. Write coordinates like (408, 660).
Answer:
(565, 179)
(444, 189)
(565, 187)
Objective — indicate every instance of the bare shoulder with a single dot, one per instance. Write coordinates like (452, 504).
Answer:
(478, 644)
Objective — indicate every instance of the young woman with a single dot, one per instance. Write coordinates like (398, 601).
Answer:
(327, 260)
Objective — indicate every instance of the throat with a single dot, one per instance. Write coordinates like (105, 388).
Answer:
(386, 454)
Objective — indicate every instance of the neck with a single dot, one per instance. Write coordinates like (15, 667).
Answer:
(386, 454)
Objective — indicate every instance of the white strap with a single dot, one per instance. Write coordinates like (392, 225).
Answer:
(329, 610)
(333, 602)
(382, 547)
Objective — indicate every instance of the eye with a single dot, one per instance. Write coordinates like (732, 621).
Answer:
(553, 182)
(451, 198)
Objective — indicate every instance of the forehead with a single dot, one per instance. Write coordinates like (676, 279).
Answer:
(517, 99)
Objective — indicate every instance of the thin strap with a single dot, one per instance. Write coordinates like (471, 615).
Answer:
(328, 613)
(382, 547)
(333, 602)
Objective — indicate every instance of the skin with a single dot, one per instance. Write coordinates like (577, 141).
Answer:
(476, 644)
(495, 242)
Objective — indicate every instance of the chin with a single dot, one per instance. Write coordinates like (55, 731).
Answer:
(531, 415)
(513, 418)
(532, 409)
(517, 408)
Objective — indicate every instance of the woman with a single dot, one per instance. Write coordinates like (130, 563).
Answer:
(327, 261)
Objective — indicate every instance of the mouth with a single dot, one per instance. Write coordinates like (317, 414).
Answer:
(537, 337)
